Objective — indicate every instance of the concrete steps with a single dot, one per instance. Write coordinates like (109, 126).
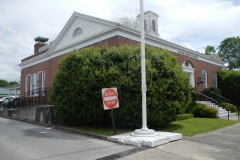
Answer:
(222, 113)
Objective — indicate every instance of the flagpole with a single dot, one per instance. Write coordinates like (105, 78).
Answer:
(143, 70)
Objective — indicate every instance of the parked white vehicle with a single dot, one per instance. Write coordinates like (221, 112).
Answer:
(6, 100)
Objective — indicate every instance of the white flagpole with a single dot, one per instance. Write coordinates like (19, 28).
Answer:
(143, 70)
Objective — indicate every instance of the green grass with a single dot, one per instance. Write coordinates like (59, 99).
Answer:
(195, 126)
(188, 127)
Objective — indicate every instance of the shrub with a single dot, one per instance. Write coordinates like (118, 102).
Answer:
(184, 116)
(229, 106)
(82, 74)
(229, 84)
(204, 111)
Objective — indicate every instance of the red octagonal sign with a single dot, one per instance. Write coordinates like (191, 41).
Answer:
(110, 98)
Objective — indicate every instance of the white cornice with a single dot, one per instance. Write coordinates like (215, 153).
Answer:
(127, 33)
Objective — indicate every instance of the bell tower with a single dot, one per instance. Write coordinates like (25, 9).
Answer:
(150, 23)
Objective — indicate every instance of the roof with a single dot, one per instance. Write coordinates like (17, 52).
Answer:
(114, 29)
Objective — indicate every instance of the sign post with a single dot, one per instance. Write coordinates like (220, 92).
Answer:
(110, 101)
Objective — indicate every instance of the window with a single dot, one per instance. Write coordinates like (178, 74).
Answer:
(204, 78)
(145, 25)
(34, 84)
(77, 32)
(153, 25)
(43, 82)
(26, 86)
(189, 69)
(214, 79)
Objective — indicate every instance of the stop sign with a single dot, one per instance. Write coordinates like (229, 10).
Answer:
(110, 98)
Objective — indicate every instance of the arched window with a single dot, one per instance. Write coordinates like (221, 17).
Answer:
(145, 25)
(154, 25)
(77, 31)
(190, 70)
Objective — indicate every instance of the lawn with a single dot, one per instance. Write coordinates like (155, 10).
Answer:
(187, 127)
(193, 126)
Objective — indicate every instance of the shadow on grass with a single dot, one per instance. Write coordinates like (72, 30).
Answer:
(171, 128)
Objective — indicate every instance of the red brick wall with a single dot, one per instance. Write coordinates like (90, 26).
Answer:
(51, 65)
(199, 66)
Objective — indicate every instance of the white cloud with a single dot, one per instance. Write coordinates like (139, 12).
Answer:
(193, 24)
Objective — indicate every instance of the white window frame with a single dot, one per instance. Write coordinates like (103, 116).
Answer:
(204, 78)
(189, 69)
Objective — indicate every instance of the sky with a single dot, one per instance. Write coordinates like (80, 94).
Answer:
(191, 23)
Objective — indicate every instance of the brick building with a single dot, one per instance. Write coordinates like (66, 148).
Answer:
(37, 70)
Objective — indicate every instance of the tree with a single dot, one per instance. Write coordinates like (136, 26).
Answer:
(229, 52)
(82, 74)
(130, 22)
(3, 83)
(12, 83)
(209, 50)
(229, 84)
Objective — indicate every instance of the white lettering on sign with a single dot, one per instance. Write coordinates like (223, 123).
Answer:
(188, 55)
(110, 98)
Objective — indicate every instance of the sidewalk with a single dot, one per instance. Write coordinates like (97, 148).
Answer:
(222, 144)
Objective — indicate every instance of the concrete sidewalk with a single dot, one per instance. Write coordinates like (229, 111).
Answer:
(222, 144)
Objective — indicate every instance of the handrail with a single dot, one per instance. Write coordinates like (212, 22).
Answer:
(208, 97)
(221, 96)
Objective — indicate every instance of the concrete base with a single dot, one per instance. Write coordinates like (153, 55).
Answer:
(158, 139)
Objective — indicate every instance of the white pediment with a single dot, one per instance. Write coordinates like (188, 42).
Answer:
(78, 28)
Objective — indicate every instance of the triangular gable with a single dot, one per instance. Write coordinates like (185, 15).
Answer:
(90, 26)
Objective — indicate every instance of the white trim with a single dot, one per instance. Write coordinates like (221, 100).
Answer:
(126, 33)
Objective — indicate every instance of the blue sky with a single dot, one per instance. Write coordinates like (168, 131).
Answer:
(190, 23)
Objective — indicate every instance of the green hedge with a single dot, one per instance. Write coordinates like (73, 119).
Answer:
(204, 111)
(229, 106)
(229, 84)
(82, 74)
(184, 116)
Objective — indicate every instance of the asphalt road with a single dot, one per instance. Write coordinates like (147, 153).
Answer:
(24, 141)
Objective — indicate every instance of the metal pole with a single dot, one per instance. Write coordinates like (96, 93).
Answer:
(113, 122)
(143, 70)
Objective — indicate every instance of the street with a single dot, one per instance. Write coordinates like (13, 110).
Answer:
(24, 141)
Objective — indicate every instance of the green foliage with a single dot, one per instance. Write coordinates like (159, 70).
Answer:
(210, 93)
(12, 83)
(210, 50)
(229, 107)
(191, 106)
(184, 116)
(204, 111)
(4, 83)
(229, 84)
(82, 74)
(229, 52)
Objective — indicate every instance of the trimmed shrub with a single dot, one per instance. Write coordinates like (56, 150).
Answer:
(204, 111)
(229, 106)
(184, 116)
(229, 84)
(82, 74)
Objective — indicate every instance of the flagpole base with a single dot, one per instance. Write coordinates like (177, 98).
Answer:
(144, 133)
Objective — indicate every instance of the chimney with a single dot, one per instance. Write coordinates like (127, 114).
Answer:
(39, 42)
